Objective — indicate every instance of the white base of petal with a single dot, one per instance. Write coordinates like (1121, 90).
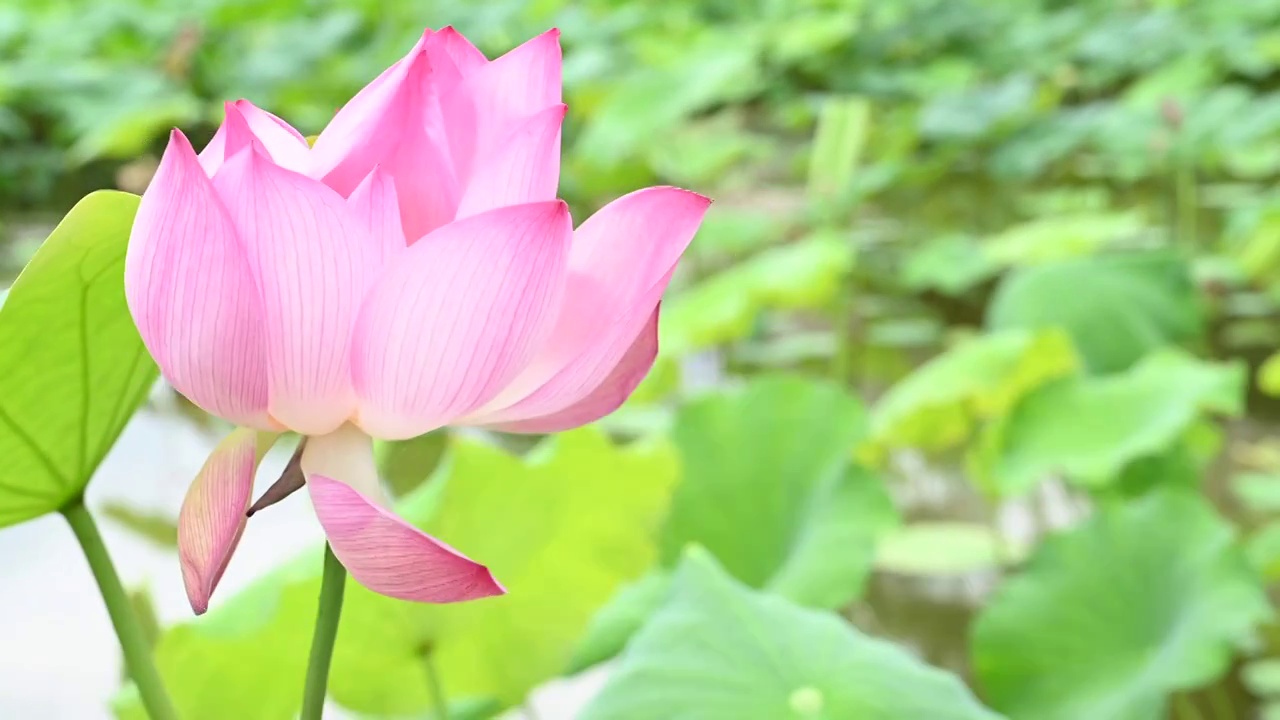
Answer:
(346, 454)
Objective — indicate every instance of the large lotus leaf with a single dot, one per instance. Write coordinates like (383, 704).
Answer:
(72, 367)
(1117, 307)
(772, 458)
(718, 650)
(1144, 599)
(938, 405)
(1090, 428)
(764, 472)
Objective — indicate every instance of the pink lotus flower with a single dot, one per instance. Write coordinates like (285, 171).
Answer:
(412, 270)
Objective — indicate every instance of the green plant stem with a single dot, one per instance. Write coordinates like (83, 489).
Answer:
(332, 586)
(440, 705)
(1186, 201)
(137, 651)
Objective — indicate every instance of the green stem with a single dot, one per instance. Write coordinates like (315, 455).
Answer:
(137, 651)
(326, 633)
(1186, 200)
(440, 705)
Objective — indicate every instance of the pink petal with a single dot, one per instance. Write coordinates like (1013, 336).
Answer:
(524, 168)
(390, 124)
(247, 124)
(285, 145)
(487, 106)
(390, 556)
(449, 47)
(213, 514)
(608, 395)
(374, 203)
(457, 316)
(313, 261)
(621, 262)
(192, 294)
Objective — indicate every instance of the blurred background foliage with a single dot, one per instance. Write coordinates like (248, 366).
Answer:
(970, 367)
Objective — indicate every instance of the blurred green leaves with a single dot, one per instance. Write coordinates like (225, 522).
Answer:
(940, 404)
(758, 657)
(72, 367)
(1142, 600)
(725, 306)
(1115, 307)
(1087, 429)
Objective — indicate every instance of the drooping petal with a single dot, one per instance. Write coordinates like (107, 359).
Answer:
(390, 556)
(608, 395)
(457, 316)
(620, 264)
(374, 203)
(389, 124)
(245, 123)
(313, 261)
(524, 168)
(192, 294)
(212, 517)
(490, 102)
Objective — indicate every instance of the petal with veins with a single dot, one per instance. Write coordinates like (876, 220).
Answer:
(457, 316)
(374, 203)
(313, 261)
(607, 396)
(277, 138)
(192, 294)
(524, 168)
(491, 102)
(212, 517)
(621, 261)
(389, 556)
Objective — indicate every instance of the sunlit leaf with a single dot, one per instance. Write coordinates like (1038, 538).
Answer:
(1144, 599)
(944, 548)
(1262, 677)
(758, 657)
(1089, 428)
(939, 404)
(1259, 492)
(72, 367)
(1060, 237)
